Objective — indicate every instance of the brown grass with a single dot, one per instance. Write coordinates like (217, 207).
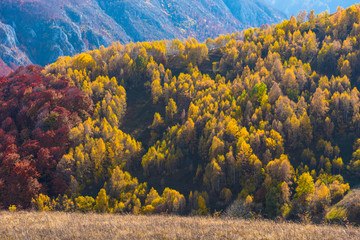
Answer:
(53, 225)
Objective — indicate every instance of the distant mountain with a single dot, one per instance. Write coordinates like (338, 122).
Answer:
(47, 29)
(253, 13)
(293, 7)
(39, 31)
(164, 19)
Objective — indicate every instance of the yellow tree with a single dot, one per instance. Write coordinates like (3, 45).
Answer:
(305, 187)
(102, 201)
(156, 89)
(171, 111)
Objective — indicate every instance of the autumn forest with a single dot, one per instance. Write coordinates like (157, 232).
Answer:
(263, 123)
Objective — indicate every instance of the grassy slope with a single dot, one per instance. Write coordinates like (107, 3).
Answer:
(28, 225)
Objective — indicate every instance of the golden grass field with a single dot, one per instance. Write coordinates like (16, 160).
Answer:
(55, 225)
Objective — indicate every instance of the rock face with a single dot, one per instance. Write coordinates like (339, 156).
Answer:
(4, 69)
(293, 7)
(39, 31)
(9, 51)
(46, 29)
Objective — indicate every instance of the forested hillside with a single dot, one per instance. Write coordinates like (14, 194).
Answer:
(264, 123)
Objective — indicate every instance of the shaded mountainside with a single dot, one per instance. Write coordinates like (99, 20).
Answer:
(40, 31)
(253, 13)
(10, 54)
(165, 19)
(45, 30)
(293, 7)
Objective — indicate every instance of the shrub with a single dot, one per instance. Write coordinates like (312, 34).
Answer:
(337, 214)
(239, 209)
(85, 204)
(12, 208)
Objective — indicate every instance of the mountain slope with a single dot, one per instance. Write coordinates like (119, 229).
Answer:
(164, 19)
(40, 31)
(293, 7)
(253, 13)
(46, 30)
(9, 50)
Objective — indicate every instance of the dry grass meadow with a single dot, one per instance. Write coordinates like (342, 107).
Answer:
(52, 225)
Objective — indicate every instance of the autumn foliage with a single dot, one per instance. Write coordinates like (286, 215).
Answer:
(36, 116)
(264, 123)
